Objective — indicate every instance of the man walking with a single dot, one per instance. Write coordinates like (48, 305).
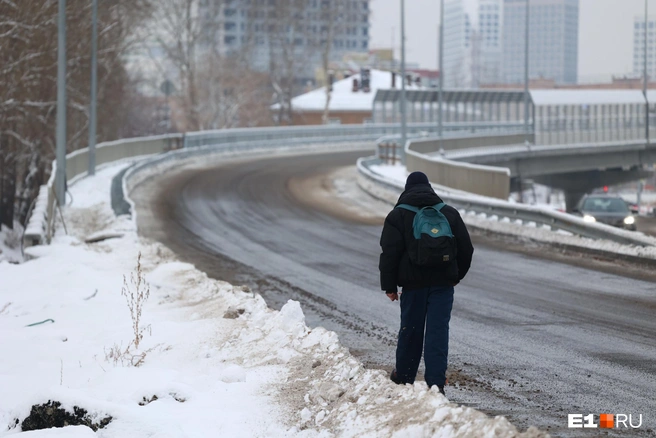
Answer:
(426, 250)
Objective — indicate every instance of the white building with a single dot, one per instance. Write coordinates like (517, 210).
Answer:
(457, 45)
(553, 40)
(472, 44)
(488, 42)
(639, 46)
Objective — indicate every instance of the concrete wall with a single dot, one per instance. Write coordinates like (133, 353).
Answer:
(482, 180)
(449, 144)
(77, 163)
(473, 178)
(316, 118)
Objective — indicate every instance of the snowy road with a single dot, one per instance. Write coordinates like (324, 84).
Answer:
(531, 339)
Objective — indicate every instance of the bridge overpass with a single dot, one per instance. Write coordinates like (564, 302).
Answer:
(577, 140)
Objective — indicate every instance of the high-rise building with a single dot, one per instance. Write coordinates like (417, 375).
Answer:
(553, 40)
(487, 54)
(457, 45)
(245, 26)
(639, 46)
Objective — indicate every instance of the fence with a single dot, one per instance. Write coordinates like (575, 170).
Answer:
(525, 213)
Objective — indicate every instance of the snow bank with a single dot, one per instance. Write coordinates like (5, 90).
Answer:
(214, 360)
(10, 243)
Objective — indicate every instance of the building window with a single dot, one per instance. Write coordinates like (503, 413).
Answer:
(230, 25)
(229, 39)
(365, 31)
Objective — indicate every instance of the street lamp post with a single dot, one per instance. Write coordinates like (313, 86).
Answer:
(60, 175)
(94, 79)
(403, 80)
(644, 78)
(526, 47)
(441, 72)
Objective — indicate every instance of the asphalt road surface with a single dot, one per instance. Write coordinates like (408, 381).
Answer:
(647, 225)
(532, 339)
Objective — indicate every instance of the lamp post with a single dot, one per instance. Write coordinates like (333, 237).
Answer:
(94, 79)
(441, 78)
(60, 175)
(403, 79)
(526, 47)
(644, 78)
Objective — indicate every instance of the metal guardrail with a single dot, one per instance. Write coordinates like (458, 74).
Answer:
(525, 213)
(291, 135)
(40, 228)
(41, 223)
(243, 141)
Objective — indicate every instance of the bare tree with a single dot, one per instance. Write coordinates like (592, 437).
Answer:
(332, 15)
(291, 45)
(177, 29)
(217, 88)
(28, 85)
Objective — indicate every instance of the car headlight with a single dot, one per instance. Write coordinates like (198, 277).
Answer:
(588, 218)
(629, 220)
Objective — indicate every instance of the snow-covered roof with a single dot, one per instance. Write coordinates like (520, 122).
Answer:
(343, 99)
(586, 97)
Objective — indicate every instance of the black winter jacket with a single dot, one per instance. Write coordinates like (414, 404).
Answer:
(395, 266)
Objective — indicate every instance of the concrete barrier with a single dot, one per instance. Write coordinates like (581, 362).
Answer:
(430, 145)
(482, 180)
(40, 225)
(77, 163)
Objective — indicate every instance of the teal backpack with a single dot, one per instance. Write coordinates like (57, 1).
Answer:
(433, 244)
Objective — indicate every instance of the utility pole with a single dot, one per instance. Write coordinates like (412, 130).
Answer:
(441, 72)
(60, 175)
(403, 79)
(644, 79)
(526, 47)
(94, 85)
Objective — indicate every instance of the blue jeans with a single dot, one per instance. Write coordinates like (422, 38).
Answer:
(427, 309)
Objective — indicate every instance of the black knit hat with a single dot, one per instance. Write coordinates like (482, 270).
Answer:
(416, 178)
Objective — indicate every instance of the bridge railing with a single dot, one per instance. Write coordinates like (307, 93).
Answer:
(501, 209)
(40, 227)
(242, 137)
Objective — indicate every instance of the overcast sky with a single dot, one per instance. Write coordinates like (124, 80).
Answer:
(605, 33)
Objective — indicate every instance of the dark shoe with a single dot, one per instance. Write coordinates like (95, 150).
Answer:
(395, 378)
(440, 388)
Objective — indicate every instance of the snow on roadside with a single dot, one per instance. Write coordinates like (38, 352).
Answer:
(491, 223)
(218, 361)
(10, 243)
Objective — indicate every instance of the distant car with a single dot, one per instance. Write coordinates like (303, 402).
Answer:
(611, 210)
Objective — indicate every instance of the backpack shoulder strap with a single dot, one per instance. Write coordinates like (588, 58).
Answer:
(439, 206)
(408, 207)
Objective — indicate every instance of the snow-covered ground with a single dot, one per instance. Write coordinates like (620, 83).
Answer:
(213, 360)
(492, 223)
(10, 243)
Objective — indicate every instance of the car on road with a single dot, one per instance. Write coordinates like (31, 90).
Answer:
(611, 210)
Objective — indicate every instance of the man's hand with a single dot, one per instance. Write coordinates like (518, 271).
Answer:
(392, 296)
